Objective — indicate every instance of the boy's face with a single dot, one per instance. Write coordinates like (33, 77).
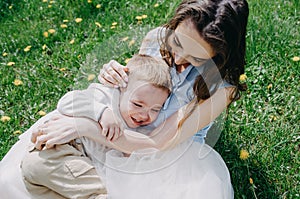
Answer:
(140, 103)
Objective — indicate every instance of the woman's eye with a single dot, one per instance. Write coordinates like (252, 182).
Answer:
(196, 59)
(176, 42)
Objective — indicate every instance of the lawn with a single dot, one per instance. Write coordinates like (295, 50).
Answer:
(50, 47)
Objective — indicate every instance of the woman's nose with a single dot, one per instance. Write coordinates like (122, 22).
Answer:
(180, 59)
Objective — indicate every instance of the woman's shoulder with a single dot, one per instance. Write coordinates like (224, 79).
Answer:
(156, 31)
(151, 42)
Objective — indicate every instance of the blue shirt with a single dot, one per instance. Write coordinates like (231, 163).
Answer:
(182, 91)
(182, 94)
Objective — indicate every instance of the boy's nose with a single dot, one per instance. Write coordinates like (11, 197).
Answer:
(143, 116)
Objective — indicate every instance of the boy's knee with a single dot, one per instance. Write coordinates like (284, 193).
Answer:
(32, 166)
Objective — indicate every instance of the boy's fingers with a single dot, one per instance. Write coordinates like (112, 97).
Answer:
(117, 134)
(104, 132)
(110, 134)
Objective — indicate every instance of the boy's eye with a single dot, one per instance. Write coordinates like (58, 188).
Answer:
(136, 104)
(156, 110)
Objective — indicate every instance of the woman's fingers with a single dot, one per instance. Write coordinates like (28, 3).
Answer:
(40, 130)
(113, 73)
(108, 78)
(105, 82)
(40, 142)
(65, 137)
(121, 71)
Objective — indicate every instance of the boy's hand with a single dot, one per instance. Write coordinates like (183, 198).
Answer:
(112, 127)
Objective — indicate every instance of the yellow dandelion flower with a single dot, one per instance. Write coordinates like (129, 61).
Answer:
(296, 58)
(51, 31)
(125, 39)
(78, 20)
(98, 6)
(112, 27)
(243, 78)
(250, 180)
(144, 16)
(114, 23)
(269, 86)
(17, 132)
(65, 20)
(156, 5)
(62, 69)
(4, 54)
(49, 6)
(10, 63)
(41, 113)
(51, 2)
(127, 60)
(98, 24)
(244, 154)
(91, 77)
(5, 118)
(18, 82)
(10, 7)
(273, 118)
(63, 25)
(89, 1)
(72, 41)
(79, 56)
(44, 47)
(138, 18)
(46, 34)
(45, 1)
(131, 42)
(27, 48)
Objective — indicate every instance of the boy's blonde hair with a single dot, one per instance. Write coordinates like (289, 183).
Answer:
(150, 69)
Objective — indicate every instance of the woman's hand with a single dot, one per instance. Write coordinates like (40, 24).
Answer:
(113, 74)
(59, 129)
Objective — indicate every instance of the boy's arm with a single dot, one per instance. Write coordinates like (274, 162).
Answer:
(89, 103)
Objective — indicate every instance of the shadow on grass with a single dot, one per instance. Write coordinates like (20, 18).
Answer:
(242, 170)
(6, 6)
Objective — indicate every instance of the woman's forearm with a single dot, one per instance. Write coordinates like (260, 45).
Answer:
(167, 134)
(130, 140)
(205, 113)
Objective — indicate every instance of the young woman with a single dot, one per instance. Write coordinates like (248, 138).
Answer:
(204, 45)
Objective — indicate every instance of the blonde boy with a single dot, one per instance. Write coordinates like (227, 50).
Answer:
(67, 171)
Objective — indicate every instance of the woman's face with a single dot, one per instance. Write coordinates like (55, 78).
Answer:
(188, 47)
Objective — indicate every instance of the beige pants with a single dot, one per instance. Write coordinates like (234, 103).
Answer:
(62, 172)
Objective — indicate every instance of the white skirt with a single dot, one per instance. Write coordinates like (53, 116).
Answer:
(189, 171)
(11, 180)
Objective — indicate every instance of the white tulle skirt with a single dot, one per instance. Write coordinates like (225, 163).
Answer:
(11, 180)
(189, 171)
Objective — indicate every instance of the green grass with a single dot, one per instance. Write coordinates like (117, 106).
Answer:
(265, 122)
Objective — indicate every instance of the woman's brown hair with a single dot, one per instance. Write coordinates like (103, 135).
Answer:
(222, 24)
